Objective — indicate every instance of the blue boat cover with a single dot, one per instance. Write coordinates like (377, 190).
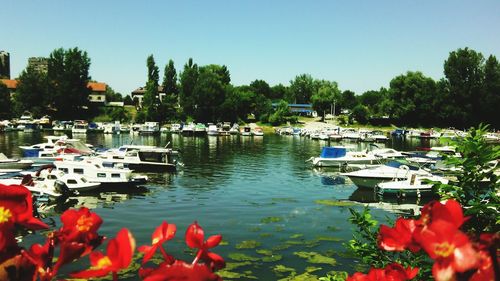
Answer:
(333, 152)
(397, 164)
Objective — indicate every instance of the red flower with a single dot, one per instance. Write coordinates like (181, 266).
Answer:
(392, 272)
(80, 225)
(398, 238)
(40, 256)
(450, 211)
(449, 247)
(163, 233)
(119, 256)
(16, 206)
(195, 239)
(180, 270)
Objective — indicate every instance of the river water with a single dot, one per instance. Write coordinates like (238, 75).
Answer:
(272, 208)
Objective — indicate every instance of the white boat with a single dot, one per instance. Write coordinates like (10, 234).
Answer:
(150, 128)
(257, 131)
(74, 182)
(235, 129)
(351, 134)
(98, 171)
(7, 163)
(379, 136)
(212, 130)
(188, 129)
(246, 131)
(337, 156)
(369, 178)
(200, 129)
(413, 185)
(112, 128)
(80, 127)
(41, 187)
(175, 128)
(142, 157)
(33, 150)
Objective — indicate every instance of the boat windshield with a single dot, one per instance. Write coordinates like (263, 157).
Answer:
(333, 152)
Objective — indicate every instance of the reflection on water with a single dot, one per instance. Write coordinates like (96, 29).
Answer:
(245, 188)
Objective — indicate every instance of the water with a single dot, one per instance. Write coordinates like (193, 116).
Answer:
(247, 189)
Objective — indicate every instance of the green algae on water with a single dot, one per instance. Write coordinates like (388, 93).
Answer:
(248, 244)
(280, 247)
(328, 238)
(272, 258)
(316, 258)
(264, 252)
(255, 229)
(301, 277)
(336, 203)
(241, 257)
(268, 220)
(280, 269)
(296, 236)
(265, 235)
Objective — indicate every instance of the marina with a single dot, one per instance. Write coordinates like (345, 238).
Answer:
(259, 192)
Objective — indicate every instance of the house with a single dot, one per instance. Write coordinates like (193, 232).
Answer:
(299, 109)
(138, 95)
(11, 85)
(98, 94)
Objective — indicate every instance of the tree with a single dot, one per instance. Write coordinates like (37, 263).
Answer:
(150, 101)
(5, 102)
(31, 93)
(209, 93)
(301, 89)
(360, 113)
(170, 79)
(464, 72)
(111, 95)
(322, 100)
(68, 77)
(280, 114)
(490, 99)
(348, 100)
(278, 92)
(261, 87)
(188, 79)
(413, 97)
(127, 100)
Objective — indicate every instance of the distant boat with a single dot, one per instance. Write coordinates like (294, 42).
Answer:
(212, 130)
(188, 130)
(7, 163)
(175, 128)
(235, 129)
(246, 131)
(338, 156)
(257, 131)
(80, 127)
(414, 185)
(150, 128)
(200, 129)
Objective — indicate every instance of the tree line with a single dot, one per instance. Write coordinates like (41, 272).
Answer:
(468, 94)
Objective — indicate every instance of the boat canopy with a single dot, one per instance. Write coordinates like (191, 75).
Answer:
(397, 164)
(333, 152)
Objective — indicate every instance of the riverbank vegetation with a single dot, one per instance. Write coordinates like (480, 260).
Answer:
(468, 94)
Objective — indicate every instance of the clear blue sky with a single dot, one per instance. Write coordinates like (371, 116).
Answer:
(360, 44)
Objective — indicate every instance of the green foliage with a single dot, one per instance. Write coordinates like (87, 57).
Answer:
(279, 92)
(361, 113)
(111, 95)
(127, 100)
(323, 98)
(31, 93)
(364, 246)
(188, 79)
(334, 276)
(5, 102)
(209, 93)
(347, 100)
(477, 184)
(68, 76)
(170, 79)
(412, 96)
(301, 89)
(150, 102)
(279, 116)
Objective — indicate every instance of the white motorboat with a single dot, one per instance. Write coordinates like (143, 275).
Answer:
(142, 158)
(235, 129)
(112, 128)
(224, 129)
(175, 128)
(212, 130)
(338, 156)
(246, 131)
(351, 134)
(379, 136)
(41, 187)
(413, 185)
(7, 163)
(33, 150)
(150, 128)
(257, 131)
(188, 129)
(75, 182)
(99, 171)
(80, 127)
(369, 178)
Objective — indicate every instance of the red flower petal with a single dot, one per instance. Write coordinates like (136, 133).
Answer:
(194, 236)
(213, 241)
(182, 271)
